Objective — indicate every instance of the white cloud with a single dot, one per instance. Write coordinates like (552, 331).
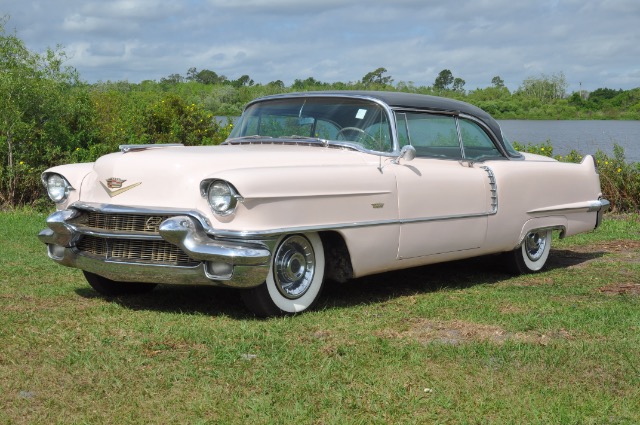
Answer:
(596, 42)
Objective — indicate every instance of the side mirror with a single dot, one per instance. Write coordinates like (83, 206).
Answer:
(407, 153)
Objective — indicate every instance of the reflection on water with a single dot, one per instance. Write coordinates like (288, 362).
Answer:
(583, 136)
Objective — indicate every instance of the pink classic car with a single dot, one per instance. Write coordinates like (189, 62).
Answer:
(316, 186)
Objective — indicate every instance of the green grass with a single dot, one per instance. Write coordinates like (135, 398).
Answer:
(452, 343)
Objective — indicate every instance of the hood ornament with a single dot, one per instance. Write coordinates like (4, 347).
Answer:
(116, 183)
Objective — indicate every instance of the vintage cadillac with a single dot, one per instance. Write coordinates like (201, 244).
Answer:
(315, 186)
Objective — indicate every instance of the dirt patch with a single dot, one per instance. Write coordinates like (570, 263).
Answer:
(459, 332)
(621, 289)
(617, 246)
(581, 256)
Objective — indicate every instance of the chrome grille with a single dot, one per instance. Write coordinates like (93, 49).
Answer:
(130, 250)
(120, 222)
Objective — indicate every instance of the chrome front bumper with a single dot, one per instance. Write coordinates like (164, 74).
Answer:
(231, 263)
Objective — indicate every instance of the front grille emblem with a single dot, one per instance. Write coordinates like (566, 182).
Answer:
(116, 183)
(152, 223)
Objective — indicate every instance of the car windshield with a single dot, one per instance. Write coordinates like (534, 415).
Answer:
(357, 122)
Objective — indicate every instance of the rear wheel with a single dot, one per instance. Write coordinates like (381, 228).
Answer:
(295, 278)
(532, 254)
(105, 286)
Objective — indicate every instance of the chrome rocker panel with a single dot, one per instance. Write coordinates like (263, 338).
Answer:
(238, 264)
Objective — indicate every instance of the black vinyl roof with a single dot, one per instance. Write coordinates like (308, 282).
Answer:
(407, 100)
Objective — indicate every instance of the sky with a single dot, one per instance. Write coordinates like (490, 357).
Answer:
(594, 43)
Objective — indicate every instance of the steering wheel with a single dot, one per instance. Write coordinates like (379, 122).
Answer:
(363, 135)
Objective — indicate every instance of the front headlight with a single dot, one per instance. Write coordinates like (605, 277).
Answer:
(222, 197)
(58, 187)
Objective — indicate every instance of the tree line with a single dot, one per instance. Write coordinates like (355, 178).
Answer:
(50, 116)
(538, 97)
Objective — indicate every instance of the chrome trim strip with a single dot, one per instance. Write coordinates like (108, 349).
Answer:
(133, 148)
(589, 206)
(263, 234)
(459, 133)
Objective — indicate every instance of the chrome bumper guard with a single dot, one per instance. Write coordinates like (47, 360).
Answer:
(601, 206)
(240, 264)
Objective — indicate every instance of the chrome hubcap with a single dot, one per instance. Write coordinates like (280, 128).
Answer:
(535, 244)
(294, 266)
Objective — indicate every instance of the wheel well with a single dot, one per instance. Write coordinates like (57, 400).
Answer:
(337, 258)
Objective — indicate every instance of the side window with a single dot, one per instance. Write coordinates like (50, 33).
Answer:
(434, 135)
(477, 144)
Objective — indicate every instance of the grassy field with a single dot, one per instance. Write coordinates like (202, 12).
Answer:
(455, 343)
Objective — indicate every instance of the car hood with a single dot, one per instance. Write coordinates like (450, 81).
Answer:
(171, 176)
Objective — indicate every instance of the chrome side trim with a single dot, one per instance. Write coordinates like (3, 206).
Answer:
(264, 234)
(599, 205)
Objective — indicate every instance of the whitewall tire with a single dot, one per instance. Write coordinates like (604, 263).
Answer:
(295, 278)
(531, 256)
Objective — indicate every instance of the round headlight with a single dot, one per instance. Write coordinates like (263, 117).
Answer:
(57, 187)
(221, 197)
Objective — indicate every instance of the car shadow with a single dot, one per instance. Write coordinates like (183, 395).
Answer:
(197, 300)
(454, 275)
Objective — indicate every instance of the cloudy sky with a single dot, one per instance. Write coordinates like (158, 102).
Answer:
(593, 42)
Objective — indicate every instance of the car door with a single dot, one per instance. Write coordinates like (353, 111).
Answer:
(444, 200)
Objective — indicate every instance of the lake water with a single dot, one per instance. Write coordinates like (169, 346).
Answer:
(583, 136)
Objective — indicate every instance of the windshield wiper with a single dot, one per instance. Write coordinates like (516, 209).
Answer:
(315, 139)
(253, 136)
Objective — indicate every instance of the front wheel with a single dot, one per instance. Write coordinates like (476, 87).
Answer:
(295, 278)
(532, 254)
(109, 287)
